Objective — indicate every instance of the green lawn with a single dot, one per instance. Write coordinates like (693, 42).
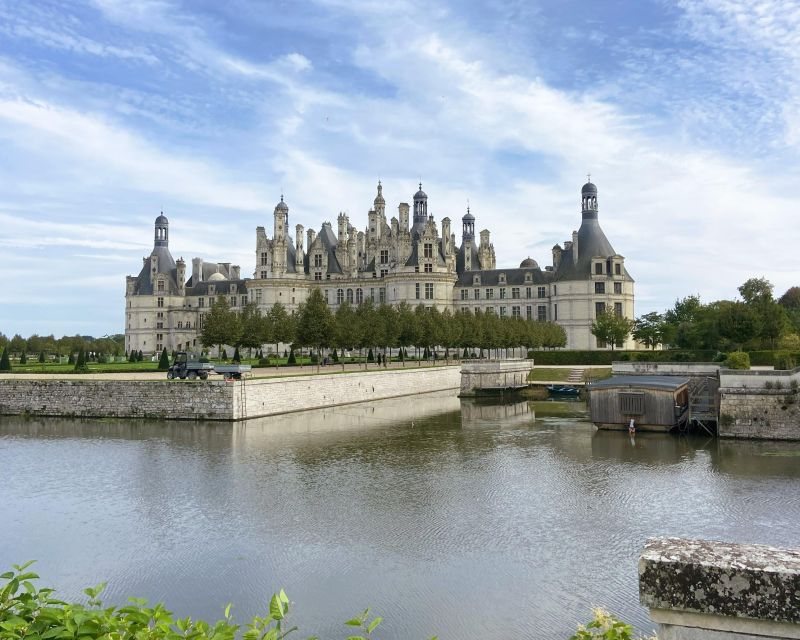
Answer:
(543, 374)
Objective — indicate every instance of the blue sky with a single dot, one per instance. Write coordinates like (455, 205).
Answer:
(687, 115)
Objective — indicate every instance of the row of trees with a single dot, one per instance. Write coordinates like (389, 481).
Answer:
(64, 346)
(757, 321)
(367, 326)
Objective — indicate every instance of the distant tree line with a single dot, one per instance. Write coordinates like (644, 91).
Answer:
(44, 347)
(757, 321)
(366, 327)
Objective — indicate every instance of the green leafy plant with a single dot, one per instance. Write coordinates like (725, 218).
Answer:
(27, 611)
(604, 626)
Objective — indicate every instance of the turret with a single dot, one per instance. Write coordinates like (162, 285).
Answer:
(343, 224)
(379, 202)
(180, 274)
(281, 221)
(467, 227)
(575, 247)
(420, 206)
(589, 201)
(298, 245)
(403, 212)
(197, 271)
(161, 231)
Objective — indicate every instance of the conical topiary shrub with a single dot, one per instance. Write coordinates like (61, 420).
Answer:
(5, 361)
(236, 357)
(292, 360)
(163, 361)
(80, 363)
(370, 356)
(23, 359)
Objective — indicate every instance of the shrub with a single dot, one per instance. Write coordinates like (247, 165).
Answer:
(163, 361)
(292, 359)
(314, 358)
(236, 357)
(29, 612)
(71, 359)
(784, 361)
(370, 356)
(738, 360)
(335, 356)
(203, 358)
(23, 359)
(604, 626)
(5, 361)
(263, 362)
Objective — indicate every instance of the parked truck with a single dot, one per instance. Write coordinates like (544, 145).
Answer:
(182, 367)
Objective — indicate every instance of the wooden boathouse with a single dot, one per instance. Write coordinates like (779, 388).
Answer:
(656, 403)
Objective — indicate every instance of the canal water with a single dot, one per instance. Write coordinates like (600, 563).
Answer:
(462, 519)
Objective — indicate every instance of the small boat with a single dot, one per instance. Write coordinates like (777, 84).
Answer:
(562, 390)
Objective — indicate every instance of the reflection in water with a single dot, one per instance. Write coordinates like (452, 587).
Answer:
(468, 519)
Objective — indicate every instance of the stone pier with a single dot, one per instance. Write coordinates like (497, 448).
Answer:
(490, 376)
(697, 589)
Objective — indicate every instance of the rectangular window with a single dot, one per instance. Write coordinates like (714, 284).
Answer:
(527, 292)
(529, 312)
(477, 294)
(489, 309)
(502, 312)
(384, 256)
(618, 309)
(515, 312)
(464, 294)
(555, 313)
(618, 288)
(502, 293)
(601, 344)
(244, 300)
(327, 299)
(233, 301)
(159, 325)
(201, 302)
(372, 294)
(263, 275)
(541, 292)
(160, 302)
(159, 336)
(263, 258)
(428, 251)
(541, 313)
(416, 289)
(599, 308)
(258, 296)
(428, 267)
(161, 285)
(631, 403)
(429, 291)
(599, 287)
(490, 294)
(382, 294)
(515, 292)
(598, 268)
(318, 260)
(318, 275)
(180, 324)
(618, 269)
(384, 273)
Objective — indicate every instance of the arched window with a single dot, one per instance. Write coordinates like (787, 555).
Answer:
(359, 296)
(350, 296)
(339, 296)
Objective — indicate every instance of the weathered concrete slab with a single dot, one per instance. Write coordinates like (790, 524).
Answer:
(696, 587)
(494, 375)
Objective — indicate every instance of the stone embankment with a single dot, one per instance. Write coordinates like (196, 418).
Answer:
(216, 400)
(697, 589)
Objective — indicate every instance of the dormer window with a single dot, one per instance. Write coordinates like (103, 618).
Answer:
(502, 278)
(598, 268)
(476, 280)
(528, 277)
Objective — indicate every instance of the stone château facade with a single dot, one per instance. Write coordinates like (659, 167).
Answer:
(406, 259)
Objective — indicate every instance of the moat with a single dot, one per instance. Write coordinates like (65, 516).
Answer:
(463, 519)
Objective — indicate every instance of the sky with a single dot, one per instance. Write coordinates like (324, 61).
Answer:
(685, 113)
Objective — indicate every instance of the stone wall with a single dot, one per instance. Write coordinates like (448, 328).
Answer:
(720, 591)
(685, 369)
(271, 396)
(216, 400)
(759, 413)
(171, 400)
(491, 375)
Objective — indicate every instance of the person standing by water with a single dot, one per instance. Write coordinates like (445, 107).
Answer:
(632, 427)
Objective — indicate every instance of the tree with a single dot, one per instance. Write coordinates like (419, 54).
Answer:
(281, 324)
(252, 323)
(23, 358)
(163, 361)
(756, 291)
(80, 363)
(407, 328)
(649, 329)
(41, 357)
(316, 326)
(17, 344)
(738, 323)
(610, 328)
(366, 317)
(345, 334)
(5, 361)
(220, 325)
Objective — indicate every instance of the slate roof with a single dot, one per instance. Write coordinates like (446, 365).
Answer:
(641, 382)
(591, 242)
(514, 277)
(221, 288)
(166, 267)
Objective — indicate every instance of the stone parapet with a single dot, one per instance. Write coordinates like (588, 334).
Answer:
(494, 375)
(772, 414)
(684, 369)
(701, 589)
